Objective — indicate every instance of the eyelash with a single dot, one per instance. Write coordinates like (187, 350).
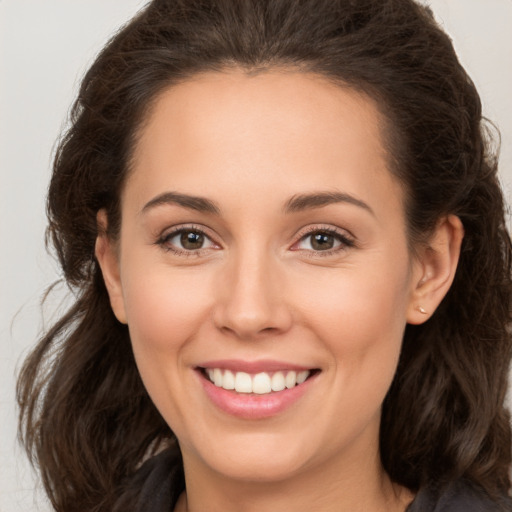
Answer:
(163, 241)
(346, 242)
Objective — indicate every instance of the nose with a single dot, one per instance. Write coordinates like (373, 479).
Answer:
(251, 300)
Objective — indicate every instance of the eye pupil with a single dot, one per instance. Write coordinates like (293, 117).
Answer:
(191, 240)
(322, 241)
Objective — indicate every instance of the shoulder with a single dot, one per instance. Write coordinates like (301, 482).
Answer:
(460, 496)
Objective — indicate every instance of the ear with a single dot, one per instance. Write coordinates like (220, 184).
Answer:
(107, 255)
(434, 269)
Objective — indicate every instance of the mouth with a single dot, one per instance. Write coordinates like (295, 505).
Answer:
(261, 383)
(256, 390)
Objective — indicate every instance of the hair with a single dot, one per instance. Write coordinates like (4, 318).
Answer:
(86, 419)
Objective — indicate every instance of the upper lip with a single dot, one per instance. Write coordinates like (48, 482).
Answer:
(264, 365)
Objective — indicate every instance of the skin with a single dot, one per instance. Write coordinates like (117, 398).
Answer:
(259, 290)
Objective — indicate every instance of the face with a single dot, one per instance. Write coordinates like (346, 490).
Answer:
(263, 247)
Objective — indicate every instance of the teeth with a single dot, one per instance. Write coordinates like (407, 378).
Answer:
(243, 383)
(302, 376)
(217, 377)
(290, 379)
(261, 383)
(229, 380)
(278, 381)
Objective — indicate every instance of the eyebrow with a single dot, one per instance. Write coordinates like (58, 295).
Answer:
(319, 199)
(199, 204)
(296, 203)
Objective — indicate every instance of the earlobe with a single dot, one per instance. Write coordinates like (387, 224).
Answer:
(434, 269)
(108, 260)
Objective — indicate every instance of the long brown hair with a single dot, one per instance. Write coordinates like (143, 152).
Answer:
(85, 417)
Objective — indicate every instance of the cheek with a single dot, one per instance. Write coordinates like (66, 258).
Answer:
(165, 310)
(360, 314)
(361, 306)
(164, 307)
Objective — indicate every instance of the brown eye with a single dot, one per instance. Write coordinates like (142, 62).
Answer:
(322, 241)
(186, 241)
(191, 240)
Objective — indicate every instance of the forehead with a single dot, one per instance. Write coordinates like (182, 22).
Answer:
(282, 130)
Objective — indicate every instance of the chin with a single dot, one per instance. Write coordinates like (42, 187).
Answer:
(257, 458)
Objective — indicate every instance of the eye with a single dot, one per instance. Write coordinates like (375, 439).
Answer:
(186, 240)
(323, 240)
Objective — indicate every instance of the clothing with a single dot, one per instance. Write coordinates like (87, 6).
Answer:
(161, 482)
(459, 497)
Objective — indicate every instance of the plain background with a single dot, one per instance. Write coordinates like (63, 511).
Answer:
(45, 47)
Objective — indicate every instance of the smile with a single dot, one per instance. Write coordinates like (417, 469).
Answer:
(261, 383)
(255, 390)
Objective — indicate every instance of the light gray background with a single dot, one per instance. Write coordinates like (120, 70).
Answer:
(45, 47)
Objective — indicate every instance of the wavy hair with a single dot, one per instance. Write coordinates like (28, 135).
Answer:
(86, 419)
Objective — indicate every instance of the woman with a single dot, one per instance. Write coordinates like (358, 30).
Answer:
(284, 229)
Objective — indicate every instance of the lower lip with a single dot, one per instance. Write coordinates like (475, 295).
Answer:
(252, 406)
